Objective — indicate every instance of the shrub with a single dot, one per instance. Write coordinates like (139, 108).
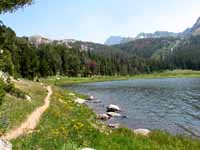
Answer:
(17, 93)
(10, 88)
(2, 91)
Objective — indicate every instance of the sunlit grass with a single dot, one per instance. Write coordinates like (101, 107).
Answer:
(63, 80)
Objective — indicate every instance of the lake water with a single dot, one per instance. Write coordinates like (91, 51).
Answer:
(171, 104)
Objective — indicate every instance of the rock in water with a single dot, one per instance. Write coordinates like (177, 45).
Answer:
(113, 108)
(103, 117)
(5, 145)
(113, 114)
(144, 132)
(91, 98)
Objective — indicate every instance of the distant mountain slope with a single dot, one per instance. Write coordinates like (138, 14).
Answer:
(113, 40)
(146, 47)
(38, 40)
(157, 34)
(194, 30)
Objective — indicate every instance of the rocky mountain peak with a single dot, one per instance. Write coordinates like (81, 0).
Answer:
(196, 25)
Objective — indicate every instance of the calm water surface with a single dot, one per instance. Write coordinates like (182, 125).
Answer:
(167, 104)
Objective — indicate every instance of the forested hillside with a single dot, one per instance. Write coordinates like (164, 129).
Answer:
(20, 57)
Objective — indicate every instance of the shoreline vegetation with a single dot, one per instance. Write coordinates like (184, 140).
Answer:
(68, 125)
(63, 80)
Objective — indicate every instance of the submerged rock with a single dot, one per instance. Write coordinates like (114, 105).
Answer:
(103, 117)
(144, 132)
(5, 145)
(97, 101)
(113, 108)
(113, 114)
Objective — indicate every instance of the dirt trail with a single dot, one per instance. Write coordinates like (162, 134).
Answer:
(32, 120)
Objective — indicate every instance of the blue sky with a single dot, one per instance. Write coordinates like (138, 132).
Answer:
(96, 20)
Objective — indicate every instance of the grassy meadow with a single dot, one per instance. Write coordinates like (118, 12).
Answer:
(63, 80)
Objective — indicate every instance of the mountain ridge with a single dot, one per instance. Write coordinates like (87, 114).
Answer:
(191, 31)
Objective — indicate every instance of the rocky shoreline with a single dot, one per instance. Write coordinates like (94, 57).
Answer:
(112, 111)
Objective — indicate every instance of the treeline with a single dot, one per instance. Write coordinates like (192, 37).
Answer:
(20, 58)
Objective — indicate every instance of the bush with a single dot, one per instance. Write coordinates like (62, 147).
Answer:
(18, 93)
(10, 88)
(2, 91)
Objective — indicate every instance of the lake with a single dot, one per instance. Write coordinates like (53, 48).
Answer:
(171, 105)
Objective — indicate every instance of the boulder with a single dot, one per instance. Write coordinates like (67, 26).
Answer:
(80, 101)
(103, 117)
(91, 97)
(143, 132)
(113, 114)
(113, 108)
(28, 97)
(114, 126)
(5, 145)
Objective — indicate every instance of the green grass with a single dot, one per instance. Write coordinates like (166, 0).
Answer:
(70, 126)
(166, 74)
(15, 110)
